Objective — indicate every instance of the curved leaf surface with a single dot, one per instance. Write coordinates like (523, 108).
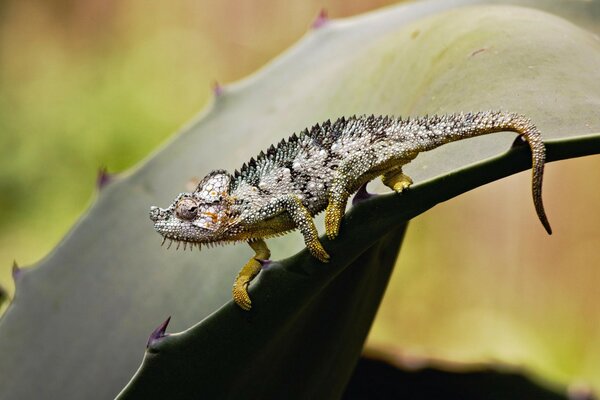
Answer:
(109, 283)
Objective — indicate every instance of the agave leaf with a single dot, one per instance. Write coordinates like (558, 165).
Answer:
(311, 335)
(85, 312)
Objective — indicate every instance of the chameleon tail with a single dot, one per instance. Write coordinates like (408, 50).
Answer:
(460, 126)
(524, 127)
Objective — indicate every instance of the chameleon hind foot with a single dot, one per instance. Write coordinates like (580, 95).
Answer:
(397, 181)
(248, 273)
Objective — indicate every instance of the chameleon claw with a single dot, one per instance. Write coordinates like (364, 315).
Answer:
(241, 297)
(398, 182)
(248, 272)
(324, 257)
(317, 251)
(403, 185)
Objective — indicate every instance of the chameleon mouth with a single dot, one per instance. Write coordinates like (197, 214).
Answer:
(187, 244)
(179, 242)
(178, 232)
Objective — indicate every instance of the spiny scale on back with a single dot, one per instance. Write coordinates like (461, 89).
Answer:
(320, 137)
(317, 170)
(312, 156)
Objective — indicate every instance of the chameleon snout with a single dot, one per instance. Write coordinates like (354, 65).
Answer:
(155, 213)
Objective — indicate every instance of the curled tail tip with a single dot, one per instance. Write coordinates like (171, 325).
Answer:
(539, 208)
(547, 227)
(544, 220)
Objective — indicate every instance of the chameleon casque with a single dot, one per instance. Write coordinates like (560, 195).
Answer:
(318, 170)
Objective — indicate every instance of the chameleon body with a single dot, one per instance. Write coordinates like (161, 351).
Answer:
(318, 169)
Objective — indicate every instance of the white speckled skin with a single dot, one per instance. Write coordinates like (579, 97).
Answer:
(324, 164)
(317, 170)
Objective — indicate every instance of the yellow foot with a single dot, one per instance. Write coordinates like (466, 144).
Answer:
(240, 296)
(397, 182)
(317, 250)
(240, 286)
(333, 218)
(404, 184)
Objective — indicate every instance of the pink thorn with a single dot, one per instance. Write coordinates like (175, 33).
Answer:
(217, 89)
(362, 195)
(264, 264)
(16, 271)
(580, 391)
(158, 333)
(103, 178)
(321, 19)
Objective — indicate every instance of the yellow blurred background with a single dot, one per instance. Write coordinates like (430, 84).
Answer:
(101, 83)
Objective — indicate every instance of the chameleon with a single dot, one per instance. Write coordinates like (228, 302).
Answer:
(317, 170)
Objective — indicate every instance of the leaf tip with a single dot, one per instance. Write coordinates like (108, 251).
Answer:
(321, 20)
(580, 391)
(264, 264)
(362, 195)
(103, 178)
(158, 333)
(16, 271)
(217, 89)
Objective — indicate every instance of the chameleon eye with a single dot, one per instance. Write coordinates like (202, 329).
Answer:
(187, 209)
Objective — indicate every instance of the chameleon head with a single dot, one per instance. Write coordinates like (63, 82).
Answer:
(203, 216)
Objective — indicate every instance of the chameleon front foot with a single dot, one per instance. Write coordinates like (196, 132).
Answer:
(240, 286)
(241, 297)
(249, 272)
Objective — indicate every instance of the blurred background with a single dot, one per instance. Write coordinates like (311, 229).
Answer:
(93, 84)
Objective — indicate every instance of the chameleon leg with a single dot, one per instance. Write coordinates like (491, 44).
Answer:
(303, 220)
(249, 272)
(345, 176)
(396, 180)
(334, 213)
